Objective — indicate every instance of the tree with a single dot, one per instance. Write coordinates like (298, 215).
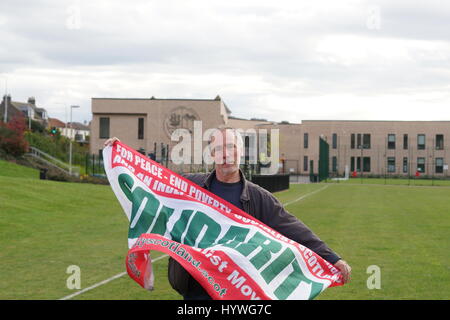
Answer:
(12, 139)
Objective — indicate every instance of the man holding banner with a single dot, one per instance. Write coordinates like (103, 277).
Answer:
(228, 182)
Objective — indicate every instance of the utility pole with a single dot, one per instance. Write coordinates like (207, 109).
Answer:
(5, 119)
(361, 163)
(70, 147)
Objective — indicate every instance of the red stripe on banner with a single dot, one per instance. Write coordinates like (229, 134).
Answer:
(214, 270)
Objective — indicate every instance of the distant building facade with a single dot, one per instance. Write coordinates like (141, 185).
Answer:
(76, 131)
(367, 147)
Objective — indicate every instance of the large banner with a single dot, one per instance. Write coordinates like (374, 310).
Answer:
(230, 253)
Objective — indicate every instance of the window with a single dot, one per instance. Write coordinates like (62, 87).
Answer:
(405, 142)
(391, 141)
(366, 141)
(305, 163)
(352, 164)
(334, 141)
(78, 137)
(391, 164)
(439, 165)
(334, 164)
(439, 142)
(405, 165)
(305, 140)
(141, 128)
(104, 128)
(358, 141)
(421, 142)
(366, 164)
(421, 165)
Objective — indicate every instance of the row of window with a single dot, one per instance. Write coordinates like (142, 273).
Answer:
(356, 163)
(421, 141)
(362, 140)
(334, 140)
(334, 163)
(391, 165)
(421, 165)
(104, 128)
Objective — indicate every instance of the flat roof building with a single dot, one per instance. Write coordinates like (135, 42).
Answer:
(373, 147)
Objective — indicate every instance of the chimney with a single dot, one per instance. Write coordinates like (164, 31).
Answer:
(7, 98)
(32, 100)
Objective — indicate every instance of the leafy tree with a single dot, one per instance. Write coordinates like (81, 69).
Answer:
(12, 140)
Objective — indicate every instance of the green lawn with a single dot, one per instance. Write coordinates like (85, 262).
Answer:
(46, 226)
(9, 169)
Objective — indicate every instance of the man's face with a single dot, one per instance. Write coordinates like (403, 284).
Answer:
(225, 151)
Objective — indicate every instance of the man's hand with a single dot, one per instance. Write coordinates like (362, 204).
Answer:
(110, 141)
(345, 269)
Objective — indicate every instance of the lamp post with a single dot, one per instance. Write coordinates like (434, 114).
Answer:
(70, 137)
(361, 162)
(5, 118)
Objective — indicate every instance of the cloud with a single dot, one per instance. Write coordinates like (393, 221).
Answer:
(322, 59)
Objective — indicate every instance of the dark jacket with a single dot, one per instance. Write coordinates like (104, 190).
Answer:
(262, 205)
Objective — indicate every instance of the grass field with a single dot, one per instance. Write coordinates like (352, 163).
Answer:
(9, 169)
(46, 226)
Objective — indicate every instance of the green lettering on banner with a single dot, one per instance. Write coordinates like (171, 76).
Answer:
(267, 246)
(161, 221)
(199, 221)
(180, 225)
(234, 236)
(146, 213)
(126, 184)
(294, 279)
(277, 265)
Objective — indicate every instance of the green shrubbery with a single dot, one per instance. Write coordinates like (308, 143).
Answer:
(16, 137)
(57, 146)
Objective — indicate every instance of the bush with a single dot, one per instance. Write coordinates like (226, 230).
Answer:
(58, 147)
(12, 140)
(36, 126)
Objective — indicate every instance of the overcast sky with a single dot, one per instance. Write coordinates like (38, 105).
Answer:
(279, 60)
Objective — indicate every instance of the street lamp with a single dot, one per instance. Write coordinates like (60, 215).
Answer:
(361, 162)
(5, 118)
(71, 131)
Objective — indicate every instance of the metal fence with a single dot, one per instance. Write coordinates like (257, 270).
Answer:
(379, 164)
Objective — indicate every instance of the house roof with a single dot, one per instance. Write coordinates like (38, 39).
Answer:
(21, 105)
(78, 126)
(53, 122)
